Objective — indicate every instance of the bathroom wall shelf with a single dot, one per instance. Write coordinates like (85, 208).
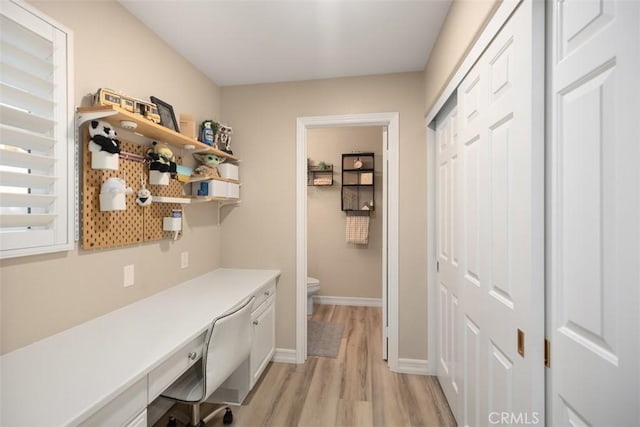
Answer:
(320, 177)
(115, 115)
(358, 187)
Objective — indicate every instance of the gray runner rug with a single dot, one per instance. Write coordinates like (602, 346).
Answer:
(323, 338)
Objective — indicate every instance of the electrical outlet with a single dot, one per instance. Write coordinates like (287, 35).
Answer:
(184, 260)
(129, 274)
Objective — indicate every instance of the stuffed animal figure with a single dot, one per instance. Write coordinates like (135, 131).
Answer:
(115, 185)
(162, 158)
(208, 130)
(208, 163)
(144, 197)
(113, 194)
(103, 137)
(223, 138)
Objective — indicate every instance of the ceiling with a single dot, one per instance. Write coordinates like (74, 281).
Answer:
(247, 42)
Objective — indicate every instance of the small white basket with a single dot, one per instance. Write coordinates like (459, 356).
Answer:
(113, 202)
(211, 187)
(159, 178)
(104, 160)
(228, 171)
(171, 224)
(233, 190)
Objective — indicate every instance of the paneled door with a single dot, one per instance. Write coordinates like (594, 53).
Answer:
(448, 215)
(594, 237)
(490, 232)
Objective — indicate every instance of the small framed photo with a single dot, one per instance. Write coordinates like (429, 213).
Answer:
(167, 116)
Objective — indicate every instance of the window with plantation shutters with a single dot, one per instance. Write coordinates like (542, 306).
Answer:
(36, 133)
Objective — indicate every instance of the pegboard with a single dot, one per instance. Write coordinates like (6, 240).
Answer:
(154, 213)
(134, 225)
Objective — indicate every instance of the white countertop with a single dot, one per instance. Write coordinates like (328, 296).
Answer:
(65, 378)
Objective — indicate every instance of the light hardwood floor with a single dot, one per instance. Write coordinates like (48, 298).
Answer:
(354, 389)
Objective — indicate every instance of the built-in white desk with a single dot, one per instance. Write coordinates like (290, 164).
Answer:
(104, 365)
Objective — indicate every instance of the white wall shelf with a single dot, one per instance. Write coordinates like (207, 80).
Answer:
(187, 200)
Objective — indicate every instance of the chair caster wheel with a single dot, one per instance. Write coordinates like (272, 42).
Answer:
(228, 417)
(172, 422)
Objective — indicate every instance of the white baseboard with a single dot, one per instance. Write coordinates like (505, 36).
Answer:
(284, 355)
(362, 302)
(413, 366)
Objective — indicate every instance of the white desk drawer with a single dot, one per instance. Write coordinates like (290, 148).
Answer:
(165, 374)
(122, 409)
(262, 296)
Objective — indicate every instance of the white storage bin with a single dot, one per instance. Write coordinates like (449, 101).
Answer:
(233, 190)
(171, 224)
(104, 160)
(113, 202)
(228, 171)
(159, 178)
(211, 188)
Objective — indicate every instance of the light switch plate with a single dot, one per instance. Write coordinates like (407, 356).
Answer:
(129, 274)
(184, 259)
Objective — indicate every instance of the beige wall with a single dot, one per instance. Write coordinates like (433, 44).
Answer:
(261, 232)
(344, 269)
(44, 294)
(41, 295)
(464, 22)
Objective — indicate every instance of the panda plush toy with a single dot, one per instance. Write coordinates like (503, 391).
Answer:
(103, 137)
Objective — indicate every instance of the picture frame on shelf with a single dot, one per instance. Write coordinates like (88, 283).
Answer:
(167, 116)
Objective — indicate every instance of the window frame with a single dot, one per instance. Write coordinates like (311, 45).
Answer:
(65, 228)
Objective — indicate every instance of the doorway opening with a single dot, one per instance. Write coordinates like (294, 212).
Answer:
(388, 210)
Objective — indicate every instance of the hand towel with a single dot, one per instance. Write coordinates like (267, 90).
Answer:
(358, 229)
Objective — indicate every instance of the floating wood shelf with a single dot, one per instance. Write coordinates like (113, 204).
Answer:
(115, 115)
(186, 200)
(196, 178)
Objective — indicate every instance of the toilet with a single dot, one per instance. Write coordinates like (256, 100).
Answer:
(313, 287)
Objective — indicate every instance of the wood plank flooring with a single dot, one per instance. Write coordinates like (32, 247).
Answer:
(354, 389)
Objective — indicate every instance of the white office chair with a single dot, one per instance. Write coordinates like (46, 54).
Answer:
(226, 346)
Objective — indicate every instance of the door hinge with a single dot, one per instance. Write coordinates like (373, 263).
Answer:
(437, 266)
(547, 353)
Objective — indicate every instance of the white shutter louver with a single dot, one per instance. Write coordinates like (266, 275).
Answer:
(36, 151)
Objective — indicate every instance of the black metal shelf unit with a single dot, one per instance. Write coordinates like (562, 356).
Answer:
(358, 184)
(320, 176)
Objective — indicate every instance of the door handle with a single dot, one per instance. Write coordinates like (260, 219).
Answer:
(520, 342)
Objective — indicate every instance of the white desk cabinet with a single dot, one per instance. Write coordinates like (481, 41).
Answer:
(104, 372)
(264, 335)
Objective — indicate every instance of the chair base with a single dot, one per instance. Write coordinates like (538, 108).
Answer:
(196, 421)
(227, 418)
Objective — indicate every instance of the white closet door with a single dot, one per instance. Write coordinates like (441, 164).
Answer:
(594, 194)
(501, 228)
(448, 251)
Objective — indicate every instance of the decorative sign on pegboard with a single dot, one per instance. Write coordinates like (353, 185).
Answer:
(126, 222)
